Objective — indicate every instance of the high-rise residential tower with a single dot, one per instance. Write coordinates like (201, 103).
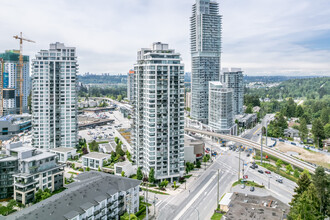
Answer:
(54, 97)
(221, 115)
(205, 37)
(158, 128)
(11, 101)
(233, 79)
(130, 86)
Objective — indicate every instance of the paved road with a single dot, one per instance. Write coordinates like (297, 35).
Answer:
(278, 154)
(201, 196)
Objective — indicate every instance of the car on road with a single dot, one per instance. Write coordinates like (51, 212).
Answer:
(260, 171)
(279, 180)
(268, 172)
(252, 188)
(242, 186)
(248, 155)
(252, 167)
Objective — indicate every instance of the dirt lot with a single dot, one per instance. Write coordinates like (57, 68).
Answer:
(310, 156)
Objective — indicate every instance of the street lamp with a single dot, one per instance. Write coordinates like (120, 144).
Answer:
(197, 213)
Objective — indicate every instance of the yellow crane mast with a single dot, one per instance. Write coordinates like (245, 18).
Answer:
(20, 69)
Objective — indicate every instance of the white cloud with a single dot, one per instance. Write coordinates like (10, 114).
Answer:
(262, 37)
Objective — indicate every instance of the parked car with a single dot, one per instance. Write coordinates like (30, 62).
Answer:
(260, 171)
(268, 172)
(242, 186)
(252, 167)
(248, 155)
(252, 188)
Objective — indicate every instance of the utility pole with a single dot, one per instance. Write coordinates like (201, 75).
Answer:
(266, 132)
(218, 189)
(239, 164)
(261, 145)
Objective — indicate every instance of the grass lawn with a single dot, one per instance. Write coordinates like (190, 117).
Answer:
(187, 176)
(73, 173)
(156, 192)
(133, 177)
(216, 216)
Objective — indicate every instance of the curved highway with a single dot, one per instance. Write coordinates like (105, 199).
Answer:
(294, 161)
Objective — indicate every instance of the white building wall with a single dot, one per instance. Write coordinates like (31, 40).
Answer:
(54, 97)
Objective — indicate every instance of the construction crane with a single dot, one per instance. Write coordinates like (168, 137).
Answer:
(20, 69)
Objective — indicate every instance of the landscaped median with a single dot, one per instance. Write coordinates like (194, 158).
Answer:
(278, 171)
(247, 183)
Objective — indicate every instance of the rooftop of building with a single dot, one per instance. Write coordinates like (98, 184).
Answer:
(62, 149)
(108, 146)
(89, 190)
(13, 55)
(245, 116)
(96, 155)
(16, 119)
(243, 206)
(5, 157)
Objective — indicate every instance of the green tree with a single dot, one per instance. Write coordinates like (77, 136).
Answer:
(299, 111)
(117, 140)
(296, 173)
(318, 132)
(279, 163)
(325, 115)
(11, 204)
(307, 206)
(94, 146)
(127, 216)
(73, 166)
(303, 130)
(152, 175)
(99, 169)
(119, 98)
(322, 184)
(327, 130)
(139, 174)
(37, 196)
(198, 164)
(249, 109)
(87, 169)
(174, 184)
(288, 168)
(303, 182)
(122, 173)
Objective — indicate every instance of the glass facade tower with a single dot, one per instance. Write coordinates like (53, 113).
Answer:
(205, 37)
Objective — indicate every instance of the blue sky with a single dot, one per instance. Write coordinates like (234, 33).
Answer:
(263, 37)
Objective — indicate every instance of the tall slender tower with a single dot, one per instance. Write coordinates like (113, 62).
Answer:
(205, 37)
(158, 128)
(54, 97)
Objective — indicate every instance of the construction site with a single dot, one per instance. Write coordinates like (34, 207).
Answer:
(14, 80)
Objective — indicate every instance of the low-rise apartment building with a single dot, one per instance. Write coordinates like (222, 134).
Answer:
(64, 153)
(37, 169)
(94, 160)
(94, 195)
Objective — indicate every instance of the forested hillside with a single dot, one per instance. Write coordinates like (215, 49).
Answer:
(311, 88)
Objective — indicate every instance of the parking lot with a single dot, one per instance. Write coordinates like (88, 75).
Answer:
(106, 132)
